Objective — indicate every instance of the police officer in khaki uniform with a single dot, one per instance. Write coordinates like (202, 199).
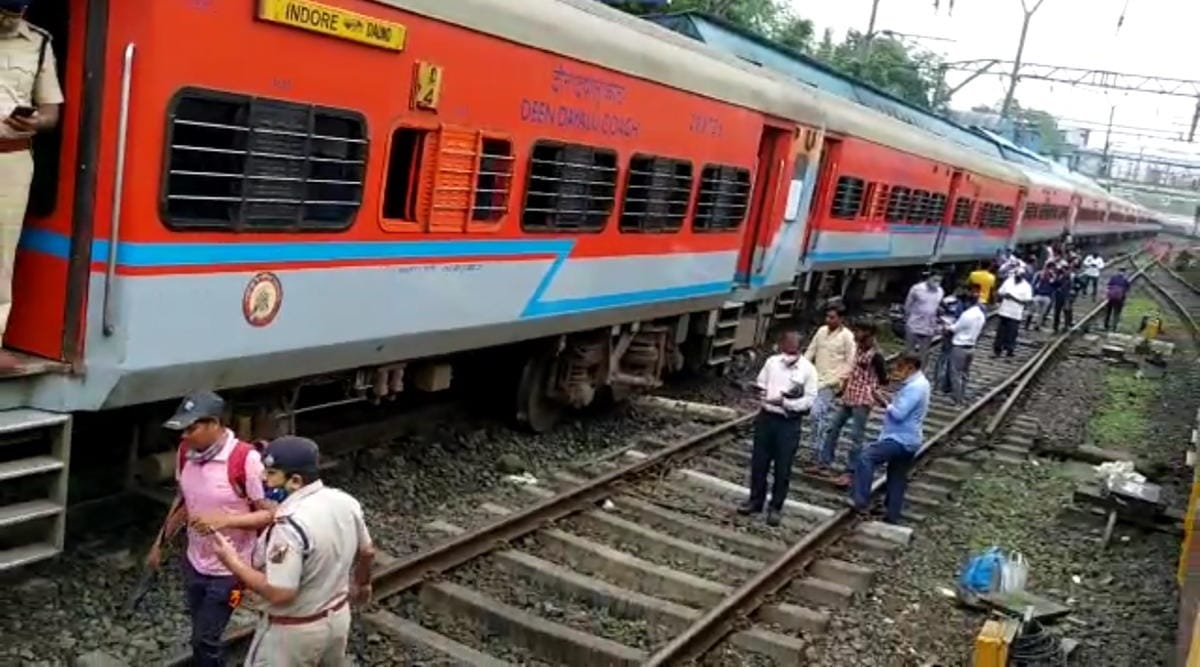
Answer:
(308, 566)
(30, 100)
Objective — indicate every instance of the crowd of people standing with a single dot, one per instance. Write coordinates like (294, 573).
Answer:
(842, 374)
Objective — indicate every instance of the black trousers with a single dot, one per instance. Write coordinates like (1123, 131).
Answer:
(1007, 331)
(775, 440)
(1064, 308)
(1112, 313)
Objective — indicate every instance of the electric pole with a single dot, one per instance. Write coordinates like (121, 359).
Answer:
(1107, 162)
(870, 34)
(1012, 86)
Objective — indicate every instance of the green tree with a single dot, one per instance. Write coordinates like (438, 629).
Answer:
(886, 63)
(1053, 139)
(795, 33)
(890, 65)
(826, 47)
(768, 18)
(1043, 124)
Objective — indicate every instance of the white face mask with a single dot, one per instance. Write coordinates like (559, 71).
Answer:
(790, 359)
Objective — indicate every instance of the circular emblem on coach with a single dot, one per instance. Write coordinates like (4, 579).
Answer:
(262, 299)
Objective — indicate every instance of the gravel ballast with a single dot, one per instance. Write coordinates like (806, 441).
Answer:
(445, 471)
(1123, 599)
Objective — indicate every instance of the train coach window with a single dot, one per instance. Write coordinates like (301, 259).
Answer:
(937, 208)
(983, 215)
(918, 208)
(847, 198)
(493, 179)
(897, 204)
(241, 163)
(962, 212)
(657, 193)
(1006, 218)
(1032, 212)
(449, 179)
(571, 188)
(723, 200)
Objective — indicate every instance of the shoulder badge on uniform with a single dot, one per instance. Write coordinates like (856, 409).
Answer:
(278, 553)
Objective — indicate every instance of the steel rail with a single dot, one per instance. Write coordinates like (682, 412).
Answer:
(1174, 302)
(408, 572)
(1175, 274)
(720, 620)
(1044, 355)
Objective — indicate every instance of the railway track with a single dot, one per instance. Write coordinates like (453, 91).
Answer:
(640, 559)
(1181, 295)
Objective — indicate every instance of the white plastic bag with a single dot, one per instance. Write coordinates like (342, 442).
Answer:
(1014, 573)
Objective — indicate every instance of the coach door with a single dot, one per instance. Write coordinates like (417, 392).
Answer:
(763, 219)
(51, 272)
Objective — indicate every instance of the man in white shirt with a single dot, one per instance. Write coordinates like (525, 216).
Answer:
(788, 386)
(963, 334)
(1010, 265)
(1014, 295)
(1093, 264)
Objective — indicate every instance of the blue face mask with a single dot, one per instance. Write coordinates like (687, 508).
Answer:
(277, 494)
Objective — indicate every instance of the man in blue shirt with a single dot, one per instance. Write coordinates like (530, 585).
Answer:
(899, 440)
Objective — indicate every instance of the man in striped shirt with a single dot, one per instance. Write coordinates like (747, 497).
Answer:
(868, 374)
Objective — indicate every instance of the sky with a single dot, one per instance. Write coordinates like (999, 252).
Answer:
(1158, 37)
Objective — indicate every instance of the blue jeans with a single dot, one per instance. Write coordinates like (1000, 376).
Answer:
(822, 409)
(941, 371)
(898, 459)
(959, 362)
(857, 416)
(210, 606)
(775, 441)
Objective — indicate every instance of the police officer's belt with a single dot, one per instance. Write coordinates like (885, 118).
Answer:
(302, 620)
(15, 145)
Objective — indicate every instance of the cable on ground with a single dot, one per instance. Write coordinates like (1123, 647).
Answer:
(1035, 647)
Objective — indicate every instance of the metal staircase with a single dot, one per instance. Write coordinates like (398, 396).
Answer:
(785, 303)
(722, 328)
(34, 458)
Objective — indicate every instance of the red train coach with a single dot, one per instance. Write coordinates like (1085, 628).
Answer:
(268, 195)
(891, 194)
(1047, 209)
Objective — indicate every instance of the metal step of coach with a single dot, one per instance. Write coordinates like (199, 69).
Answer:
(34, 458)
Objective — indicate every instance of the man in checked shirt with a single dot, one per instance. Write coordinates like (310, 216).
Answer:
(867, 375)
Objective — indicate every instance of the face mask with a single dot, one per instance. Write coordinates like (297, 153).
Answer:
(277, 494)
(790, 359)
(8, 24)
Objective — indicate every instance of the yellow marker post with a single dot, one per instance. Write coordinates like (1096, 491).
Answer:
(334, 22)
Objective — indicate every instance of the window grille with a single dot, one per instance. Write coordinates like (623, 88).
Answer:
(243, 163)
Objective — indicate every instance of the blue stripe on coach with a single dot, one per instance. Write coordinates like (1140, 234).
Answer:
(147, 255)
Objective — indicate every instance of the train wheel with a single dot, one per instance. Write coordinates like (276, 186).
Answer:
(535, 410)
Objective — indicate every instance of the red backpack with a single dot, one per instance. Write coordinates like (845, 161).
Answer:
(235, 465)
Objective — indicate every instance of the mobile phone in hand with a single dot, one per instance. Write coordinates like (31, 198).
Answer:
(22, 112)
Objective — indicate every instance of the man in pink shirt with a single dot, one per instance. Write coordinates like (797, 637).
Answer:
(220, 489)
